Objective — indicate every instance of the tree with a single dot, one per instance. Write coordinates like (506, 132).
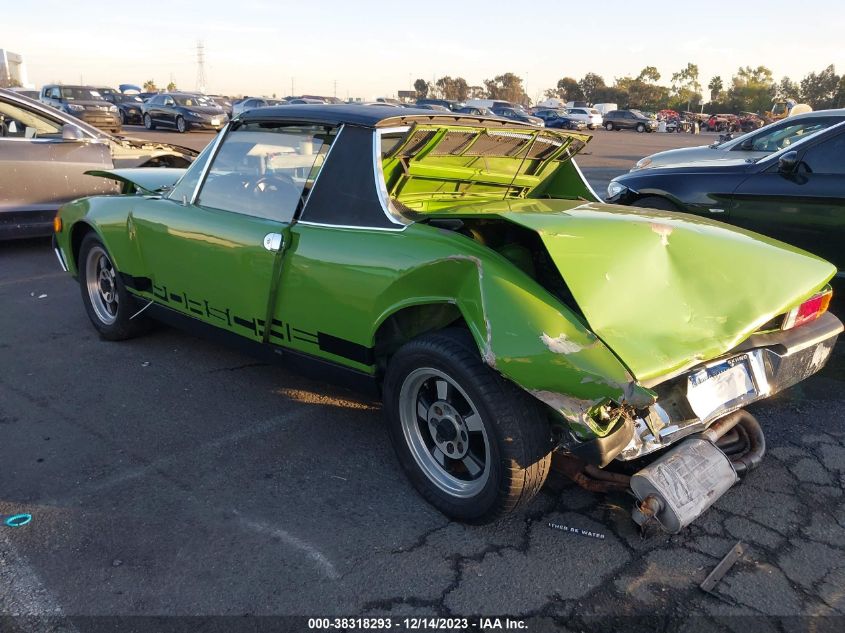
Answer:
(649, 74)
(686, 87)
(567, 90)
(589, 84)
(507, 87)
(150, 86)
(422, 88)
(454, 89)
(476, 92)
(716, 87)
(639, 93)
(820, 89)
(751, 90)
(786, 89)
(171, 87)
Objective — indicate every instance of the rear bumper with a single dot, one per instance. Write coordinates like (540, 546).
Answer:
(25, 224)
(775, 362)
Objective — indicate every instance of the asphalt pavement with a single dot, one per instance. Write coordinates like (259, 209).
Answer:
(170, 476)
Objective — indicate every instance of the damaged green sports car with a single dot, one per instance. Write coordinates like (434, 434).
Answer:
(462, 268)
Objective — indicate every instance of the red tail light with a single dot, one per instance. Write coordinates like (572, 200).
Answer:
(810, 310)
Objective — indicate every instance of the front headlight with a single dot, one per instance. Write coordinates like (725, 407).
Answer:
(112, 108)
(642, 163)
(73, 107)
(615, 189)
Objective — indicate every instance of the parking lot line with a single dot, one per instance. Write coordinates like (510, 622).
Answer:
(23, 594)
(157, 465)
(315, 555)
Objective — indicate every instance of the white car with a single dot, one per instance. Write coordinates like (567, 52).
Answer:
(590, 116)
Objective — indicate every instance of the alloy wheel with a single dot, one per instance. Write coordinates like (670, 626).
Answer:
(102, 285)
(445, 432)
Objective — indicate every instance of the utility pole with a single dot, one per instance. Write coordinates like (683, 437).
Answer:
(292, 93)
(200, 66)
(335, 88)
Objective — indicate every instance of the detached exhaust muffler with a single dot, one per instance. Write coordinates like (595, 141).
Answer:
(677, 488)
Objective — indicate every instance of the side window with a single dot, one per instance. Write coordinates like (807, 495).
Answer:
(183, 190)
(265, 169)
(827, 157)
(18, 122)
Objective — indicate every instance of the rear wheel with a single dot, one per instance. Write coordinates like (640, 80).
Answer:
(148, 122)
(109, 305)
(655, 202)
(473, 444)
(608, 126)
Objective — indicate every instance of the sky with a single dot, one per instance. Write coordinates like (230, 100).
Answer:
(360, 48)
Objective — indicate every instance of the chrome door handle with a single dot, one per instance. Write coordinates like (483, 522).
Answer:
(273, 242)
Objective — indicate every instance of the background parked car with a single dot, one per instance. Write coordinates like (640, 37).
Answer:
(518, 114)
(129, 107)
(560, 119)
(752, 146)
(796, 194)
(445, 103)
(254, 102)
(629, 120)
(183, 111)
(83, 102)
(590, 116)
(44, 154)
(476, 111)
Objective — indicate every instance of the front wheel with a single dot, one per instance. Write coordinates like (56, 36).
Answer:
(181, 126)
(148, 122)
(474, 445)
(640, 128)
(111, 308)
(608, 126)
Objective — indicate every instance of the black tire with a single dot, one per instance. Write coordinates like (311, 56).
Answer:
(519, 436)
(122, 326)
(122, 117)
(655, 202)
(148, 122)
(181, 126)
(609, 126)
(640, 128)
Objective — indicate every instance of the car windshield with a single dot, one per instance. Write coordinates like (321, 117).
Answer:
(782, 135)
(80, 94)
(129, 99)
(194, 101)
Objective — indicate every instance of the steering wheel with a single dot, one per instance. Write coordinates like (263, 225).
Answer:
(281, 188)
(274, 183)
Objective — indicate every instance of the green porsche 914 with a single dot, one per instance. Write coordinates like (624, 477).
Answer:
(462, 268)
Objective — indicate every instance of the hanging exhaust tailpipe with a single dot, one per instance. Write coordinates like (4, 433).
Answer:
(677, 488)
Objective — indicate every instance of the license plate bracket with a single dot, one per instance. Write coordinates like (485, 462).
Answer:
(720, 386)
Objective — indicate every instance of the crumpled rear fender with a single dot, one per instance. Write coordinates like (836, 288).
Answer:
(527, 335)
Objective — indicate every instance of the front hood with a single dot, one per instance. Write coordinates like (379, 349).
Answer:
(695, 155)
(665, 291)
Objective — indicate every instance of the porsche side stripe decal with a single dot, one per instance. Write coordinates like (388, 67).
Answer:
(326, 342)
(346, 349)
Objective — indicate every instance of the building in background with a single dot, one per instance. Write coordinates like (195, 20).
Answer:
(12, 70)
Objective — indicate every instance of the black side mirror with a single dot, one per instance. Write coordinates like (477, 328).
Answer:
(788, 162)
(748, 144)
